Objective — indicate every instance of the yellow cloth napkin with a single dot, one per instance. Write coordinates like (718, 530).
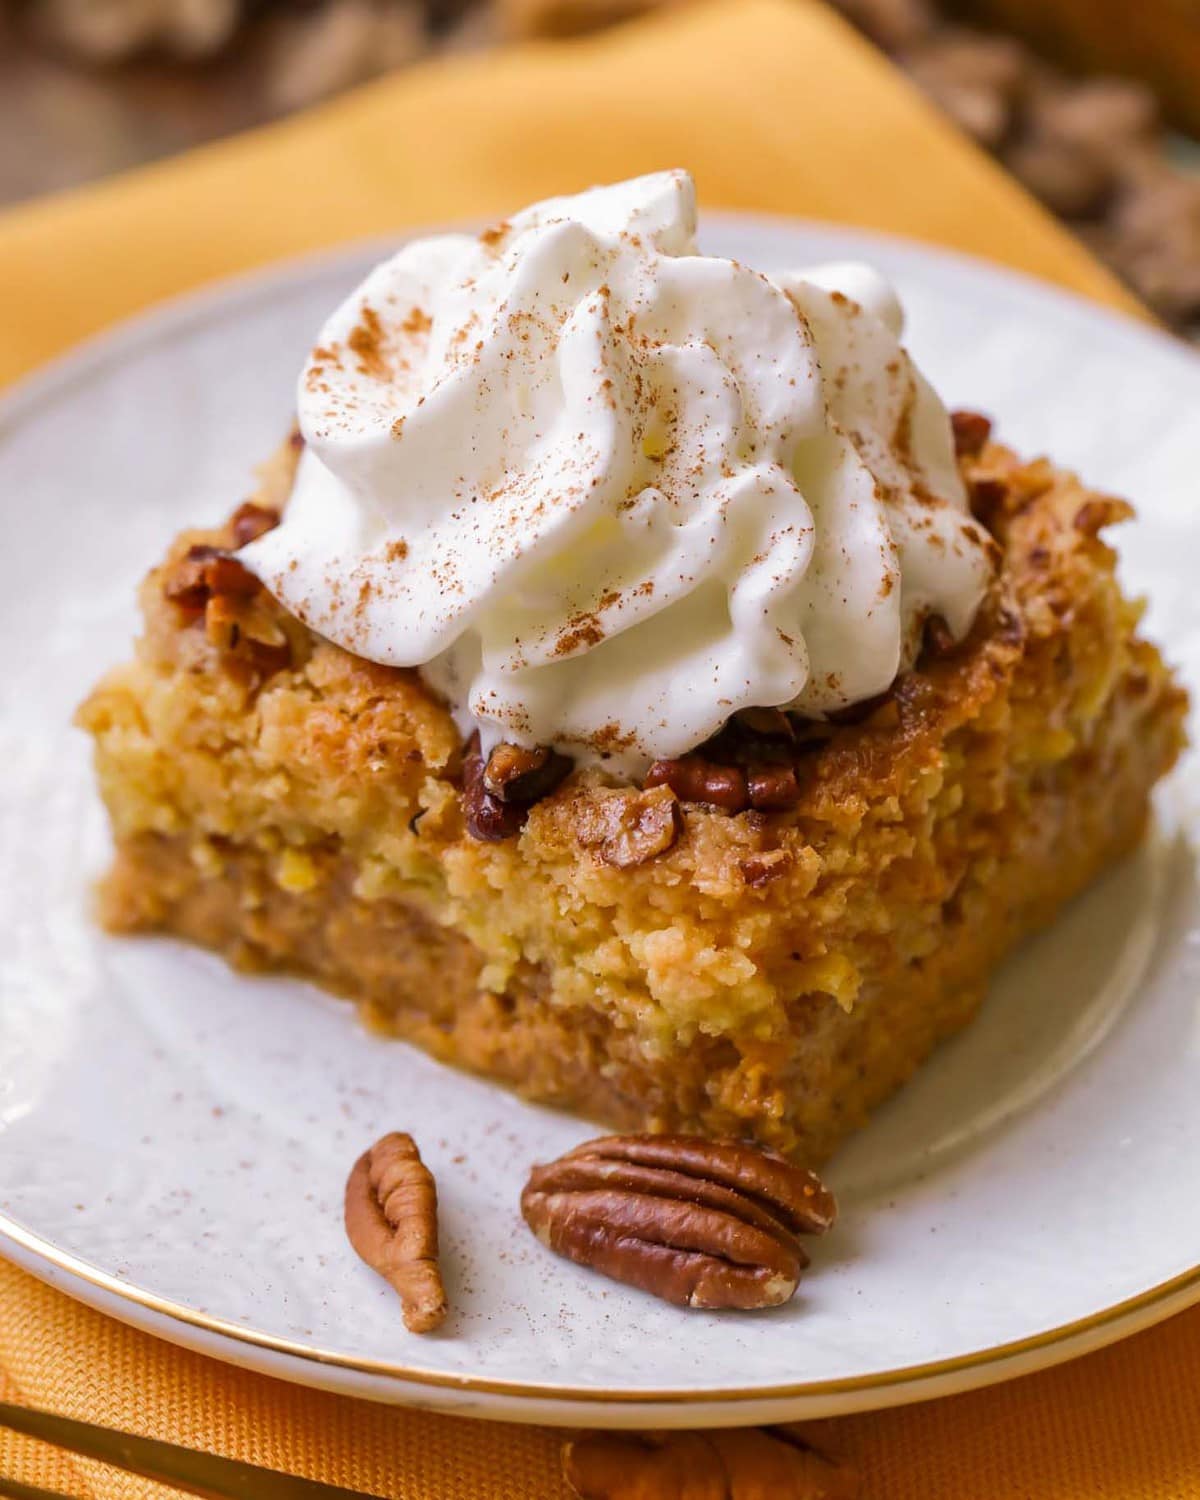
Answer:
(775, 106)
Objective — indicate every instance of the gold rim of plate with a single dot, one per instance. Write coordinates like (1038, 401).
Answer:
(1118, 1312)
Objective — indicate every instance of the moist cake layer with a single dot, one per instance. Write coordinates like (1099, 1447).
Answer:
(769, 975)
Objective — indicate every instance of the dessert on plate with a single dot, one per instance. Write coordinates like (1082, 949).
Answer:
(630, 683)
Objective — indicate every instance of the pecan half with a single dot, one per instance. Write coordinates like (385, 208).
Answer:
(517, 774)
(694, 779)
(391, 1221)
(700, 1223)
(754, 1461)
(971, 431)
(631, 827)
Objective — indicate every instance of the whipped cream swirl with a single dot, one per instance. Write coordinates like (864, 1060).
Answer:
(604, 491)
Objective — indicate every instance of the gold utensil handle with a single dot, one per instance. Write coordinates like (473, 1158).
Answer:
(188, 1469)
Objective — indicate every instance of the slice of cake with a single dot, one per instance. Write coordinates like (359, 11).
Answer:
(632, 686)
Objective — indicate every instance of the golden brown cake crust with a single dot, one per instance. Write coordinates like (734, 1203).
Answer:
(769, 975)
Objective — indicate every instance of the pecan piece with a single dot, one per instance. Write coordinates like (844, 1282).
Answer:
(185, 582)
(631, 827)
(517, 774)
(765, 1461)
(228, 578)
(1100, 511)
(204, 572)
(231, 619)
(988, 498)
(769, 723)
(760, 869)
(772, 788)
(694, 779)
(391, 1221)
(251, 521)
(938, 640)
(488, 818)
(971, 431)
(700, 1223)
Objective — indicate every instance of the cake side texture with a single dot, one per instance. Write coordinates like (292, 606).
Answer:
(763, 975)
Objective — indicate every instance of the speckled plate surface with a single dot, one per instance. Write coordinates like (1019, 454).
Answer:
(174, 1139)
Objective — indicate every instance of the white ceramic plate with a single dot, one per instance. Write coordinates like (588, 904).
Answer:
(174, 1139)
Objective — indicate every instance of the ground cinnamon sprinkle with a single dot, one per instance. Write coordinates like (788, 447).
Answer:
(492, 237)
(366, 341)
(586, 630)
(418, 321)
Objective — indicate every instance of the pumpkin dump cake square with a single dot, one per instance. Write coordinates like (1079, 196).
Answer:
(632, 686)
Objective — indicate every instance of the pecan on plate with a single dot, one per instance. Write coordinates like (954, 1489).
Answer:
(971, 431)
(391, 1221)
(700, 1223)
(753, 1461)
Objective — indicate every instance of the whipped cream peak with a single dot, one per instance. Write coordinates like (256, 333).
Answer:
(604, 490)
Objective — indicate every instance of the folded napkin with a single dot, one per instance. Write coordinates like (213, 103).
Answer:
(775, 106)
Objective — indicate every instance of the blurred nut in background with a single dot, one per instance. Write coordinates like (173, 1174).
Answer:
(342, 43)
(524, 18)
(1093, 149)
(107, 31)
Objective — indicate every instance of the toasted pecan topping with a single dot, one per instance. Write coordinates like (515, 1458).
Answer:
(630, 828)
(240, 619)
(488, 818)
(391, 1221)
(938, 640)
(773, 788)
(251, 521)
(225, 576)
(233, 619)
(765, 1462)
(203, 572)
(1100, 511)
(988, 497)
(517, 774)
(760, 869)
(971, 431)
(185, 582)
(766, 723)
(700, 1223)
(694, 779)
